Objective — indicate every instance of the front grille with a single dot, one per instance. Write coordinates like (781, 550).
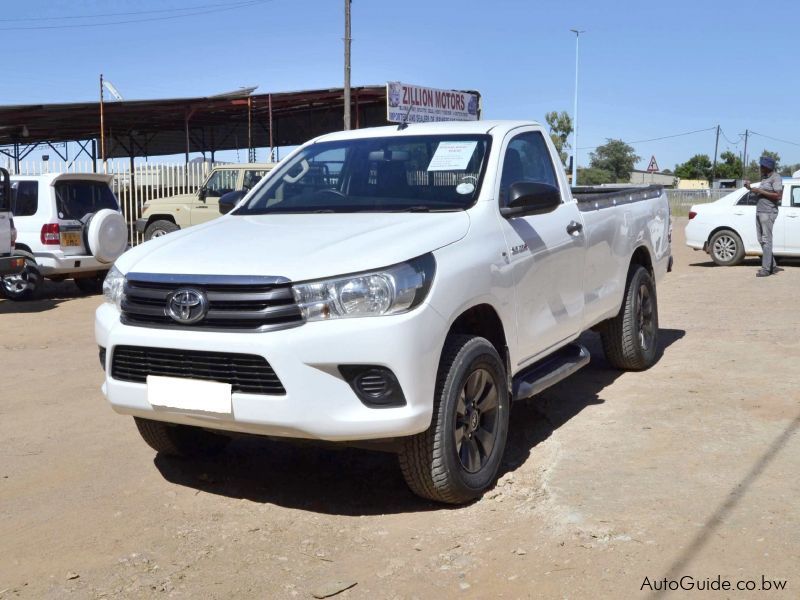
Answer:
(234, 303)
(247, 373)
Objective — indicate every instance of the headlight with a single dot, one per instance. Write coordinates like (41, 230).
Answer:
(390, 291)
(113, 287)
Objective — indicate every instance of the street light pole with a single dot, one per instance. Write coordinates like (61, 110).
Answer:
(577, 33)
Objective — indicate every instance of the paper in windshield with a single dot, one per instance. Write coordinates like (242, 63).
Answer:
(452, 156)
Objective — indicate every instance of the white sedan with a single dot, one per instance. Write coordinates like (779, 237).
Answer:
(726, 229)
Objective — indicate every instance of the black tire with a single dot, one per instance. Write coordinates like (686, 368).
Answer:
(180, 440)
(630, 340)
(93, 284)
(159, 228)
(22, 286)
(435, 464)
(726, 248)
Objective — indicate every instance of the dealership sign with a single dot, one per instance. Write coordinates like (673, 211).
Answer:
(406, 103)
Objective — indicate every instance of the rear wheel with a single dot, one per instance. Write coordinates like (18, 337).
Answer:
(630, 340)
(726, 248)
(22, 286)
(458, 457)
(159, 228)
(180, 440)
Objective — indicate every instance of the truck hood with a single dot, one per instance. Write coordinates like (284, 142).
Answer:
(298, 247)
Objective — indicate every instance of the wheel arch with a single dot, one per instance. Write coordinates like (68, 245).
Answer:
(483, 320)
(722, 228)
(22, 248)
(161, 217)
(641, 256)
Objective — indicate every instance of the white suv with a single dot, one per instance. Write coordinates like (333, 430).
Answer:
(68, 226)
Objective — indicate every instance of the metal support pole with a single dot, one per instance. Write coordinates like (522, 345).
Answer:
(577, 33)
(271, 142)
(250, 153)
(16, 158)
(347, 64)
(358, 120)
(102, 129)
(94, 156)
(186, 131)
(714, 166)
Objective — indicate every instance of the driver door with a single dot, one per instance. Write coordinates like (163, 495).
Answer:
(545, 257)
(221, 181)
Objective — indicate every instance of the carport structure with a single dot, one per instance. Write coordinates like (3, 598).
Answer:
(145, 128)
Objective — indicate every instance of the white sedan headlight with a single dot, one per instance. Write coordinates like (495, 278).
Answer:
(390, 291)
(113, 287)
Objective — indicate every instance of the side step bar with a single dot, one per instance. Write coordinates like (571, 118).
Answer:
(549, 371)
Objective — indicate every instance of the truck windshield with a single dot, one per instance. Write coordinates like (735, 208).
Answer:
(402, 173)
(75, 199)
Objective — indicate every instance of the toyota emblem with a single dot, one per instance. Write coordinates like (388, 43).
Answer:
(187, 306)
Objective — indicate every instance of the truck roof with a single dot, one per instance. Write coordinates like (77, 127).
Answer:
(51, 178)
(443, 127)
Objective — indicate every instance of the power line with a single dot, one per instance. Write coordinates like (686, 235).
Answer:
(775, 139)
(665, 137)
(115, 14)
(219, 8)
(736, 143)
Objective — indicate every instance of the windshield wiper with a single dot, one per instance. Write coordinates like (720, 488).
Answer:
(415, 209)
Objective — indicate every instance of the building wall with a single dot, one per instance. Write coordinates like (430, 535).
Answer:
(645, 178)
(692, 184)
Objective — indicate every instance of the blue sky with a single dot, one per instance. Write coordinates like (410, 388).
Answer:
(646, 70)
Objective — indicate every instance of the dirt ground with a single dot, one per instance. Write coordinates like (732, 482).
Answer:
(688, 469)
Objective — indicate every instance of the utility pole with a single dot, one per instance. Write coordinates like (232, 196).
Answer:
(577, 33)
(714, 167)
(744, 156)
(347, 64)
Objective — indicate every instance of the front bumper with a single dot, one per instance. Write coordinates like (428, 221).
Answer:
(319, 403)
(9, 265)
(61, 264)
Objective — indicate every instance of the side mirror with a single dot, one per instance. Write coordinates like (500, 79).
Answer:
(202, 193)
(229, 200)
(531, 198)
(5, 191)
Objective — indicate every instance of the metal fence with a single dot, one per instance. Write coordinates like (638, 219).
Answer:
(681, 200)
(132, 188)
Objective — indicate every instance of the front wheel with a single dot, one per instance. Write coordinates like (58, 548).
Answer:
(726, 248)
(159, 228)
(458, 457)
(180, 440)
(630, 340)
(23, 285)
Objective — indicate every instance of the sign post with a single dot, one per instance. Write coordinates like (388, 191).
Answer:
(407, 103)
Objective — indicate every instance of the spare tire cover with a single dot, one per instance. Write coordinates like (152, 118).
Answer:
(107, 235)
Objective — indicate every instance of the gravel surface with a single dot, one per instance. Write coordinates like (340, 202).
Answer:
(688, 469)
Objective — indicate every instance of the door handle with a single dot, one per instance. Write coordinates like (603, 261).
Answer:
(574, 227)
(739, 213)
(793, 216)
(202, 206)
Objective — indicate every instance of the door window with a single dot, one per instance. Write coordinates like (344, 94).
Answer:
(749, 199)
(252, 177)
(24, 198)
(221, 182)
(527, 159)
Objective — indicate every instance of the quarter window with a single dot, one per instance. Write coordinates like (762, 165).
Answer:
(796, 196)
(527, 159)
(749, 199)
(24, 198)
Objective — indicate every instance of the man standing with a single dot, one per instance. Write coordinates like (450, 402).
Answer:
(769, 192)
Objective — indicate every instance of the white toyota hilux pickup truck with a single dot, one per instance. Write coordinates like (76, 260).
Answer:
(400, 285)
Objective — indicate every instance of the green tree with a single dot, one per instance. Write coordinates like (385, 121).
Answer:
(616, 157)
(697, 167)
(729, 166)
(560, 128)
(593, 176)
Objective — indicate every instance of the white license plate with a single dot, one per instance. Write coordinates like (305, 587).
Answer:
(189, 394)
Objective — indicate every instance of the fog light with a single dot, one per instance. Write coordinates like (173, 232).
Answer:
(102, 355)
(376, 387)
